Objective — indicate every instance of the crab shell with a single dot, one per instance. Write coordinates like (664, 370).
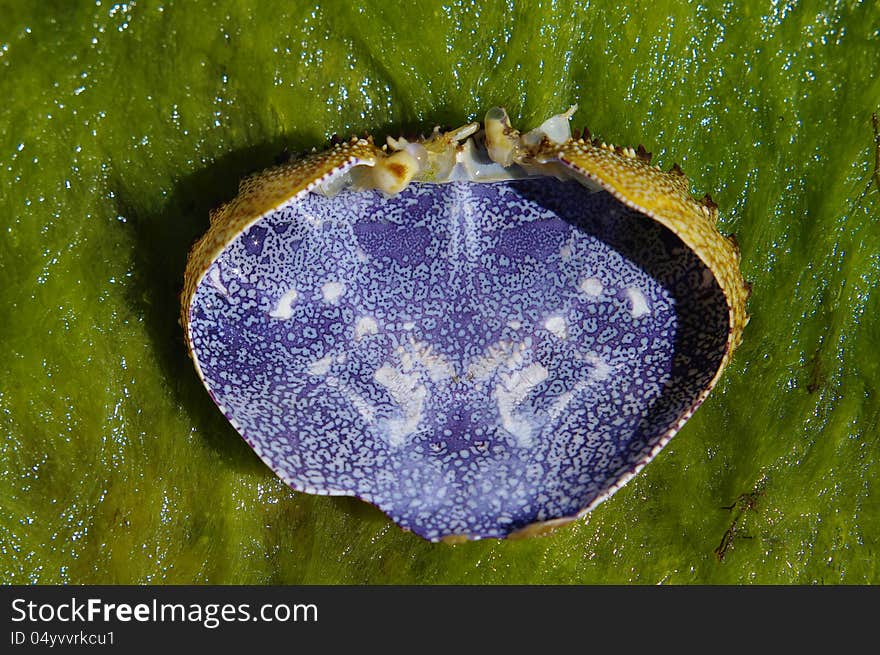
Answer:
(476, 153)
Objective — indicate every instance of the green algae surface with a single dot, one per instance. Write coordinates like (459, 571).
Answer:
(124, 123)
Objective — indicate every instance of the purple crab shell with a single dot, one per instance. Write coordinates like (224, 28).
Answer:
(476, 358)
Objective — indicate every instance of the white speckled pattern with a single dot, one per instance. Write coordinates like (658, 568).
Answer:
(472, 358)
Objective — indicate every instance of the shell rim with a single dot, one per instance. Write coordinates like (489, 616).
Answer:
(537, 528)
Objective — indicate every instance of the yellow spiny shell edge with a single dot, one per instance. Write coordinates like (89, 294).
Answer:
(665, 197)
(263, 193)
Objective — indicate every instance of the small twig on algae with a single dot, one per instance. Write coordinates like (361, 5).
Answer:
(742, 504)
(876, 121)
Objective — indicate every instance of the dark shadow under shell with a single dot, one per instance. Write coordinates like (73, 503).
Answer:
(470, 357)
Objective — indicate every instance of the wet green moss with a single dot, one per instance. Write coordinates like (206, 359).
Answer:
(124, 123)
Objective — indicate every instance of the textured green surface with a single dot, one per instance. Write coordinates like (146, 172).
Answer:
(123, 124)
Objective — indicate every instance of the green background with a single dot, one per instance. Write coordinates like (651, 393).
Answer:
(122, 125)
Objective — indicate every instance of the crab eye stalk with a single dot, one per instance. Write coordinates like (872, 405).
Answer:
(391, 174)
(501, 139)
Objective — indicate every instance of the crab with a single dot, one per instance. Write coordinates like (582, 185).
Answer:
(483, 332)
